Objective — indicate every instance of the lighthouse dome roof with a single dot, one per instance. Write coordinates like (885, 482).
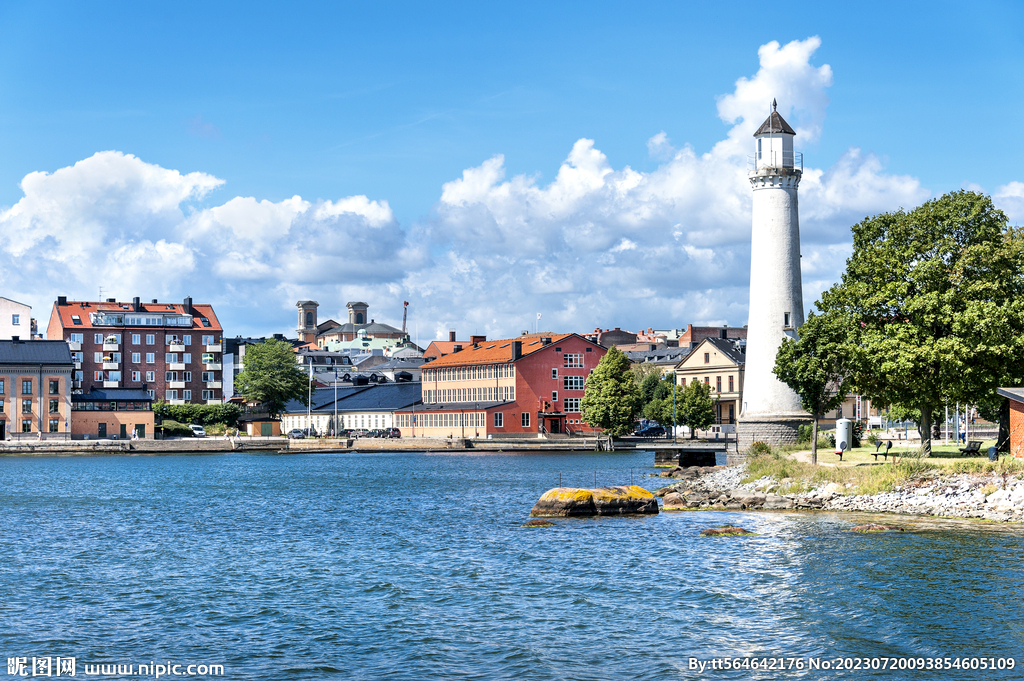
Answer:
(774, 124)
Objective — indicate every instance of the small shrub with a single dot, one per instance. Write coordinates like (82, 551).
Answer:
(760, 447)
(988, 489)
(804, 432)
(174, 428)
(872, 439)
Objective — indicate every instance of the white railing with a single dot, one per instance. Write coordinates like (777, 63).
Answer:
(776, 159)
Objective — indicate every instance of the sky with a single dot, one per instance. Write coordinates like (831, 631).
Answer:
(485, 162)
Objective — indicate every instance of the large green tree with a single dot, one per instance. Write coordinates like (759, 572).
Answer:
(697, 408)
(815, 367)
(936, 298)
(661, 407)
(271, 375)
(611, 399)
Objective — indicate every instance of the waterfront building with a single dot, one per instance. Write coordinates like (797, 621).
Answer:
(530, 385)
(16, 320)
(771, 411)
(35, 389)
(360, 405)
(170, 350)
(664, 358)
(117, 413)
(718, 363)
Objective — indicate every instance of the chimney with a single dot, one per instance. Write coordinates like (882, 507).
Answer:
(188, 305)
(457, 348)
(724, 333)
(451, 335)
(15, 339)
(111, 300)
(517, 350)
(546, 340)
(62, 300)
(154, 301)
(477, 340)
(136, 304)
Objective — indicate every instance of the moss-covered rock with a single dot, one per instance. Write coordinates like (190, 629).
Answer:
(727, 531)
(872, 527)
(571, 501)
(538, 522)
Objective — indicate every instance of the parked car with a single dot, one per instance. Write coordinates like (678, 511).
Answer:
(360, 432)
(296, 434)
(197, 430)
(650, 431)
(393, 432)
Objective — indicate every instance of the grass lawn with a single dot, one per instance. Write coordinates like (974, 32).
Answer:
(942, 455)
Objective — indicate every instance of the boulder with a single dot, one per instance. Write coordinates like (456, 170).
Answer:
(538, 522)
(726, 531)
(674, 501)
(567, 502)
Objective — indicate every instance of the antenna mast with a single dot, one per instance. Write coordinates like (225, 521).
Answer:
(405, 315)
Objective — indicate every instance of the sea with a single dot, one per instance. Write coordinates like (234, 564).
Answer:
(418, 566)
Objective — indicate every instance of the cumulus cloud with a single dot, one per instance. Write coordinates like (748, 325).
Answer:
(1010, 198)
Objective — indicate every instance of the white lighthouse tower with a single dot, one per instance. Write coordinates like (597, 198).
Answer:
(771, 411)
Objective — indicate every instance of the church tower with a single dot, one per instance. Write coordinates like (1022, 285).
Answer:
(307, 320)
(771, 411)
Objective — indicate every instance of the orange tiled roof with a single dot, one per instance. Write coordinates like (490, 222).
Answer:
(83, 309)
(492, 351)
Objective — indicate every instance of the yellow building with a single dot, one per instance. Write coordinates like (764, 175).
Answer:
(35, 389)
(718, 363)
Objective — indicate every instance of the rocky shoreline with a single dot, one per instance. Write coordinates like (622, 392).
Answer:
(984, 496)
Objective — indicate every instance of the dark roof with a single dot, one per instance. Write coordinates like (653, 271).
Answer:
(774, 124)
(663, 355)
(458, 406)
(113, 395)
(1015, 394)
(35, 352)
(379, 397)
(728, 349)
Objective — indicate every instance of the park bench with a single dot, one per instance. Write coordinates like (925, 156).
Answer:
(973, 448)
(885, 454)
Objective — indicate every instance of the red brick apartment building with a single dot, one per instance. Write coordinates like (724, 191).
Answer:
(171, 350)
(530, 384)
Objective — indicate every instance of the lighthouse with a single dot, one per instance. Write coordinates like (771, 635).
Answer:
(771, 411)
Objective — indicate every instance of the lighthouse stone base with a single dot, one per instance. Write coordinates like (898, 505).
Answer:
(775, 429)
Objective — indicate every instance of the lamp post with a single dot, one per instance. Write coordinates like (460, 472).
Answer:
(309, 399)
(674, 424)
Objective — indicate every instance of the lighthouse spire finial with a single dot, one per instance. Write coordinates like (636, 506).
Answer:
(774, 104)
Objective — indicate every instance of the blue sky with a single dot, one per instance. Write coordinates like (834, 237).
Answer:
(511, 158)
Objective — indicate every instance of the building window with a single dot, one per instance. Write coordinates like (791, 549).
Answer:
(136, 339)
(97, 357)
(97, 375)
(499, 420)
(152, 394)
(54, 406)
(554, 395)
(731, 385)
(136, 358)
(572, 382)
(707, 358)
(150, 358)
(150, 376)
(26, 406)
(208, 340)
(26, 425)
(682, 381)
(786, 319)
(207, 376)
(136, 376)
(525, 420)
(187, 358)
(54, 423)
(16, 319)
(188, 339)
(76, 320)
(172, 394)
(554, 374)
(208, 395)
(186, 394)
(150, 339)
(26, 387)
(718, 384)
(1, 406)
(97, 338)
(170, 375)
(707, 381)
(572, 405)
(54, 387)
(572, 360)
(77, 337)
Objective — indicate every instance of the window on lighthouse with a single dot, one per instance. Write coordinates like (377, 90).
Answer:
(758, 148)
(786, 320)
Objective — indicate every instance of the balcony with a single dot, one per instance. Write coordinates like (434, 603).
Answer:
(213, 367)
(175, 366)
(214, 401)
(212, 384)
(74, 346)
(76, 384)
(213, 348)
(176, 402)
(175, 346)
(111, 384)
(111, 366)
(78, 365)
(111, 347)
(176, 384)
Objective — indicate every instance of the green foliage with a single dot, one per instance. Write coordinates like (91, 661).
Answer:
(935, 297)
(202, 414)
(175, 429)
(271, 376)
(611, 398)
(696, 408)
(648, 386)
(804, 432)
(661, 408)
(759, 448)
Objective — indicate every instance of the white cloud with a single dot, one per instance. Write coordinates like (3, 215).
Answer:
(1010, 198)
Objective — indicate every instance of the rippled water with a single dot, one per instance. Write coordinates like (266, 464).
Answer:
(417, 567)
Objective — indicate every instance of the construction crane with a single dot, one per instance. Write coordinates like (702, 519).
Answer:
(405, 314)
